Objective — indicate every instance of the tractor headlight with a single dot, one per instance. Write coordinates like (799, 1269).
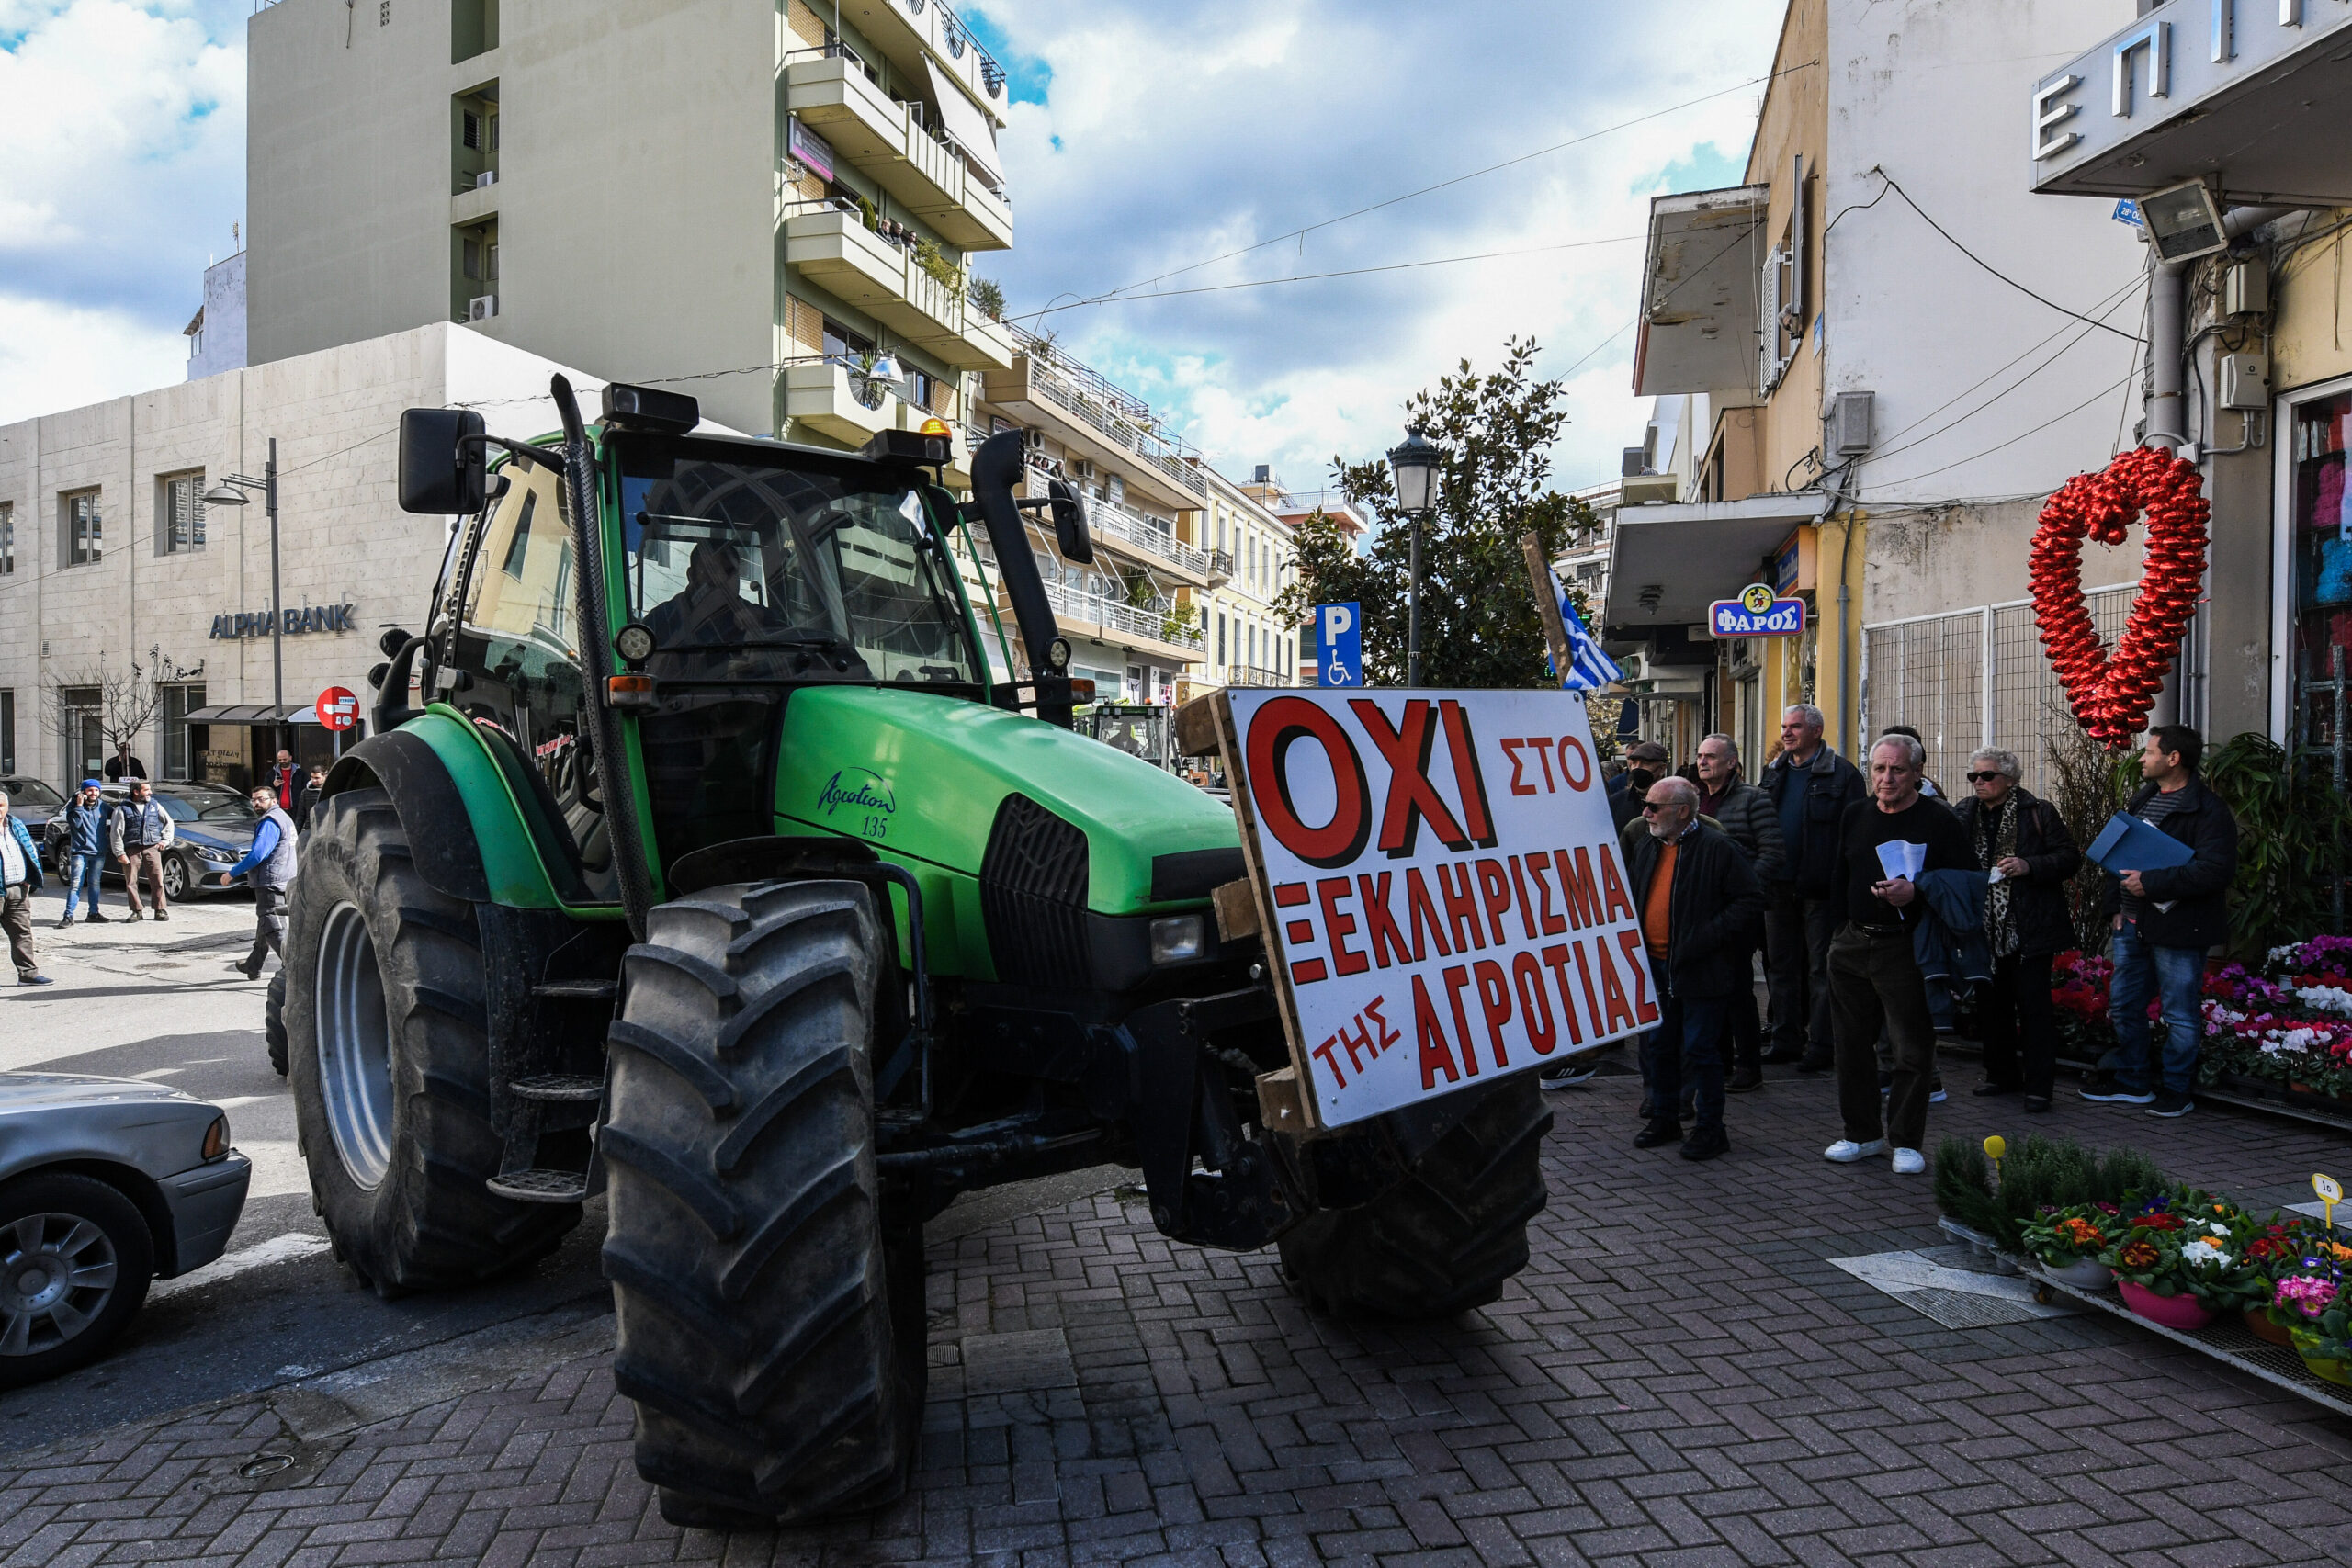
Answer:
(1176, 938)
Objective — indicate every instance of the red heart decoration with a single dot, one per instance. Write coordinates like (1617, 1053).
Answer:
(2111, 693)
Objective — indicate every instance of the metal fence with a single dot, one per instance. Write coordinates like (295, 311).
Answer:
(1972, 678)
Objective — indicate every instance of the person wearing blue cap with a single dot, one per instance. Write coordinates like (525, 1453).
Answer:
(85, 849)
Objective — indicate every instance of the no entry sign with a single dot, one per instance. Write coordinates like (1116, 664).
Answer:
(1440, 888)
(337, 708)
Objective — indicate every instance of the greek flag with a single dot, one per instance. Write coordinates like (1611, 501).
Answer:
(1589, 668)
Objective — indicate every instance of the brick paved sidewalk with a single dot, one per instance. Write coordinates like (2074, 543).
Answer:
(1680, 1378)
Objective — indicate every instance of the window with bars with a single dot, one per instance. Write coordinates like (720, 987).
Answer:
(84, 528)
(179, 514)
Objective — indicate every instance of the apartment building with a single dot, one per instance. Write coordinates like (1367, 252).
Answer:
(772, 205)
(1878, 355)
(1133, 615)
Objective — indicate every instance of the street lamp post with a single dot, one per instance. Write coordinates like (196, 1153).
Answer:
(1415, 464)
(229, 491)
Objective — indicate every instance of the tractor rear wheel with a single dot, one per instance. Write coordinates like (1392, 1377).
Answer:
(387, 1019)
(771, 1326)
(1443, 1240)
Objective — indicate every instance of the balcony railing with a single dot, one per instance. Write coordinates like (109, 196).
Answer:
(1250, 675)
(1220, 566)
(1121, 416)
(1139, 531)
(1126, 619)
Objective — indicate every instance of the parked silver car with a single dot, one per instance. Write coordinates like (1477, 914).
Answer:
(106, 1184)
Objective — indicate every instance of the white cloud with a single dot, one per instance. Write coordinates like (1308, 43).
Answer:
(1173, 134)
(55, 357)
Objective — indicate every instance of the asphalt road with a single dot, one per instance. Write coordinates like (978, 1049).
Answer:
(160, 1001)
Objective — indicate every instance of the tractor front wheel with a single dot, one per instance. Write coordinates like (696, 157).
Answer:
(387, 1024)
(1443, 1240)
(769, 1324)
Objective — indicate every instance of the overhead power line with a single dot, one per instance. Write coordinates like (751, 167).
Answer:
(2039, 299)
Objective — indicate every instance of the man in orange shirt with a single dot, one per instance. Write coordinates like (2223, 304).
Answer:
(1697, 895)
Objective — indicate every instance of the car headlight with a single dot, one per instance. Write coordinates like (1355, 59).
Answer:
(216, 1138)
(1175, 938)
(223, 857)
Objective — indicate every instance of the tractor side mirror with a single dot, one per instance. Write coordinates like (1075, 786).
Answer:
(1069, 509)
(391, 642)
(443, 461)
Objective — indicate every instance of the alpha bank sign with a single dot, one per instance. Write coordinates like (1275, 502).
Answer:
(292, 622)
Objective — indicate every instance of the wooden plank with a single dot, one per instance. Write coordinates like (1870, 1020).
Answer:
(1236, 910)
(1277, 972)
(1280, 1107)
(1539, 576)
(1196, 726)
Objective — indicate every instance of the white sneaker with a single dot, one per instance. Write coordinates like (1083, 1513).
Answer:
(1909, 1162)
(1844, 1151)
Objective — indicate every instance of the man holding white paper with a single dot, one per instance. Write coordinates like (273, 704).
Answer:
(1884, 843)
(2166, 917)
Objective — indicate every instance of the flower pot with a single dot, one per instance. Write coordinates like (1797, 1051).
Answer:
(2082, 1274)
(2334, 1372)
(2181, 1312)
(2258, 1323)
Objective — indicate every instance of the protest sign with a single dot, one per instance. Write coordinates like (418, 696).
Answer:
(1439, 887)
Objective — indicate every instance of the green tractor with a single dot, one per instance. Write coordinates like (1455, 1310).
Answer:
(716, 874)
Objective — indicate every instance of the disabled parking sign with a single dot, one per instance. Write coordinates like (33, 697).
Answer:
(1338, 653)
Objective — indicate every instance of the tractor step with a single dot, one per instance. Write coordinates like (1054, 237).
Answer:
(540, 1186)
(558, 1088)
(579, 990)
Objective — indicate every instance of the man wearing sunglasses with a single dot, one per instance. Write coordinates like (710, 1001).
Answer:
(2023, 842)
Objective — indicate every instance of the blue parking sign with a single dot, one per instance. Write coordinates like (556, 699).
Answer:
(1339, 645)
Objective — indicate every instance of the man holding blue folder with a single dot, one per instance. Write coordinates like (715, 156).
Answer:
(2169, 856)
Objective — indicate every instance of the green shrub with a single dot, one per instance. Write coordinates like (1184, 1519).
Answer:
(2038, 1173)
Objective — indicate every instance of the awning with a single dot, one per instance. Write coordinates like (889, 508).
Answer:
(966, 123)
(2262, 111)
(1699, 286)
(253, 713)
(1667, 564)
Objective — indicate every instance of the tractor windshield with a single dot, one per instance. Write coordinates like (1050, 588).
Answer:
(746, 572)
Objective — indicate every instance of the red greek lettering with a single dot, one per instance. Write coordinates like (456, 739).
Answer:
(1437, 1054)
(1527, 979)
(1346, 960)
(1494, 1000)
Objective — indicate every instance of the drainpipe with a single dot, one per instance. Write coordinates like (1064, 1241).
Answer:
(2167, 353)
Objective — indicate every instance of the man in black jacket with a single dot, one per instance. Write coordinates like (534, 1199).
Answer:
(2165, 921)
(2022, 840)
(1810, 786)
(1696, 897)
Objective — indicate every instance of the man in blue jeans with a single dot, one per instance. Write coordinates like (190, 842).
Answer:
(84, 851)
(2165, 920)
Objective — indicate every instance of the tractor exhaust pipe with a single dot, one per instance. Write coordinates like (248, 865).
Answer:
(995, 468)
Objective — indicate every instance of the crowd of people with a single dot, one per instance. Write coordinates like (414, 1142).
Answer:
(1881, 906)
(133, 834)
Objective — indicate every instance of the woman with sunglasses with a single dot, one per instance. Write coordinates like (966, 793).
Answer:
(2022, 839)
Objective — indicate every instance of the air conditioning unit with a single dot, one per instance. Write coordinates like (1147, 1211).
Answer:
(487, 177)
(481, 307)
(1035, 438)
(1849, 425)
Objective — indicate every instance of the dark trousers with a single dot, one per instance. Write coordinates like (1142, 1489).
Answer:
(1686, 1046)
(17, 920)
(2021, 1031)
(1874, 984)
(1796, 965)
(1743, 1029)
(269, 925)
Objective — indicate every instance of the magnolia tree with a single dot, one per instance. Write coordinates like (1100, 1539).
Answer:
(1479, 623)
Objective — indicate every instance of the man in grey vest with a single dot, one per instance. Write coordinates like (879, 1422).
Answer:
(141, 830)
(269, 866)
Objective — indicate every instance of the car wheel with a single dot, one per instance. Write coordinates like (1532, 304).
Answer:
(175, 878)
(75, 1259)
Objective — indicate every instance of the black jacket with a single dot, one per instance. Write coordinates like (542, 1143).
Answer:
(2039, 902)
(1830, 783)
(1714, 900)
(2197, 892)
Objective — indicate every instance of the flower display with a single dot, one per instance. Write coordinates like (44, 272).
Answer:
(2306, 1295)
(2288, 1023)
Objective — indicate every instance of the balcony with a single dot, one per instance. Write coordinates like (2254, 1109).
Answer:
(1131, 533)
(1220, 568)
(836, 251)
(1144, 630)
(833, 401)
(872, 131)
(1250, 675)
(1099, 423)
(909, 31)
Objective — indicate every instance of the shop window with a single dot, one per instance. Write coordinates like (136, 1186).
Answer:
(82, 527)
(179, 514)
(178, 702)
(78, 726)
(2320, 516)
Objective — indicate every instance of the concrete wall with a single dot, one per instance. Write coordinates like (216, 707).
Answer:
(636, 195)
(342, 537)
(225, 320)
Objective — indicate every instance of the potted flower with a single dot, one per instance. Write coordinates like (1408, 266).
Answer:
(2274, 1250)
(2069, 1241)
(2318, 1319)
(2160, 1263)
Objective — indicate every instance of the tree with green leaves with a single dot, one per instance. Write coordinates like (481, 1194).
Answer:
(1479, 623)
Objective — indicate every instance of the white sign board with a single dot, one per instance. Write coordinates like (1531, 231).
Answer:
(1444, 899)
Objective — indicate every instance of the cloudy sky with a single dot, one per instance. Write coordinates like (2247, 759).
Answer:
(1148, 136)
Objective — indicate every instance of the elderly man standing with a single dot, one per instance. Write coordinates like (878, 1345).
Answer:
(2023, 842)
(19, 880)
(139, 830)
(268, 866)
(1745, 814)
(1810, 787)
(1874, 979)
(1697, 899)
